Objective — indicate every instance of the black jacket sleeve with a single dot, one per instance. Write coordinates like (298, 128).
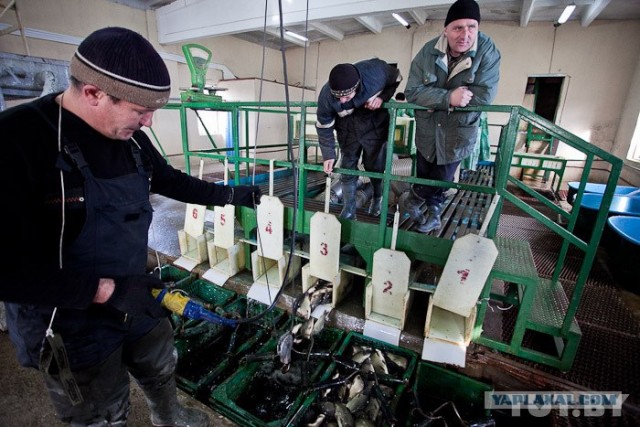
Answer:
(175, 184)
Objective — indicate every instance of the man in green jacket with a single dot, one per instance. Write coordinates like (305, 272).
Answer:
(459, 68)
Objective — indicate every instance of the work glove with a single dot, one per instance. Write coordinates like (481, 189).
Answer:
(244, 195)
(132, 295)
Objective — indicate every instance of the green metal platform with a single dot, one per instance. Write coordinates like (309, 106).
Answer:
(543, 307)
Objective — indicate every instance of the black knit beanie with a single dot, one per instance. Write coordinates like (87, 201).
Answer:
(343, 79)
(463, 9)
(124, 65)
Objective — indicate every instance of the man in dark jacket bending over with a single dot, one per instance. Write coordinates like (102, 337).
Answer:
(350, 103)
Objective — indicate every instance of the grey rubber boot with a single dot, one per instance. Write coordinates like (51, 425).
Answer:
(376, 206)
(166, 411)
(349, 200)
(432, 220)
(376, 201)
(410, 203)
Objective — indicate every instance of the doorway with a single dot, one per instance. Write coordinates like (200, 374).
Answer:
(543, 95)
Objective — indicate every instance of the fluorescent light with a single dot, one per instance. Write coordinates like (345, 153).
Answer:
(401, 20)
(566, 13)
(296, 36)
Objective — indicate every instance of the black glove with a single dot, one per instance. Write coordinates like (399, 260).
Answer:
(132, 295)
(245, 195)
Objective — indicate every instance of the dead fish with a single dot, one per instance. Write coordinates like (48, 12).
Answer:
(285, 344)
(399, 361)
(304, 307)
(343, 416)
(306, 330)
(363, 422)
(318, 422)
(367, 366)
(321, 296)
(379, 362)
(318, 325)
(357, 386)
(328, 408)
(372, 410)
(357, 402)
(361, 356)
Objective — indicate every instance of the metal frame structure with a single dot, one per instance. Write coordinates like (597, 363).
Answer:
(543, 304)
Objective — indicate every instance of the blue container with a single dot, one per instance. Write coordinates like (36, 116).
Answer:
(590, 205)
(624, 250)
(590, 187)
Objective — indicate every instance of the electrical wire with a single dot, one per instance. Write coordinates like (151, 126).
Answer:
(294, 170)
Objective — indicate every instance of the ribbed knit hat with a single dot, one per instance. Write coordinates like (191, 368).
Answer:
(343, 79)
(463, 9)
(124, 65)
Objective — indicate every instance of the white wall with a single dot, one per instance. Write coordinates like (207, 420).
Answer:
(598, 73)
(601, 62)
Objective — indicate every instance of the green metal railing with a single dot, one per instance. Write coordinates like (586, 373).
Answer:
(368, 237)
(241, 155)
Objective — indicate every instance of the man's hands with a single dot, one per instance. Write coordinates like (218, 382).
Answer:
(327, 165)
(374, 103)
(132, 295)
(460, 97)
(245, 195)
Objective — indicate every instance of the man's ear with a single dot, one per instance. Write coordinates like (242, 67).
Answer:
(92, 94)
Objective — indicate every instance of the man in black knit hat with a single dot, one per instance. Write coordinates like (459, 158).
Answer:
(350, 103)
(459, 68)
(78, 171)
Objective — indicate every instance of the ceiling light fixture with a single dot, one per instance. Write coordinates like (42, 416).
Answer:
(296, 36)
(401, 20)
(566, 13)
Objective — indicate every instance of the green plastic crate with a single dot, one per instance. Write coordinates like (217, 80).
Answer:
(176, 276)
(250, 398)
(208, 351)
(208, 294)
(398, 379)
(434, 386)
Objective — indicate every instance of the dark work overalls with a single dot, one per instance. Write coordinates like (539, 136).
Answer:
(104, 345)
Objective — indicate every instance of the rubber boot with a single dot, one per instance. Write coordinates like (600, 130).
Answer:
(349, 200)
(376, 201)
(376, 206)
(167, 411)
(410, 203)
(432, 221)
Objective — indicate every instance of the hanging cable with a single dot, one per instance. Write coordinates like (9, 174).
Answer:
(294, 170)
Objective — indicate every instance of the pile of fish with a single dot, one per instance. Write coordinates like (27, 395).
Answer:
(360, 391)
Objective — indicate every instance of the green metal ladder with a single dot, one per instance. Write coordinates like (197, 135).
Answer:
(541, 303)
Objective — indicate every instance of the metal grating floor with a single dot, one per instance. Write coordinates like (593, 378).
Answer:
(607, 357)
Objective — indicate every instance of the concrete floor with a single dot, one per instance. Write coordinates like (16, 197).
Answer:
(24, 401)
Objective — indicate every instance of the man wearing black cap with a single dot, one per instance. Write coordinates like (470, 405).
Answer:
(350, 103)
(459, 68)
(78, 171)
